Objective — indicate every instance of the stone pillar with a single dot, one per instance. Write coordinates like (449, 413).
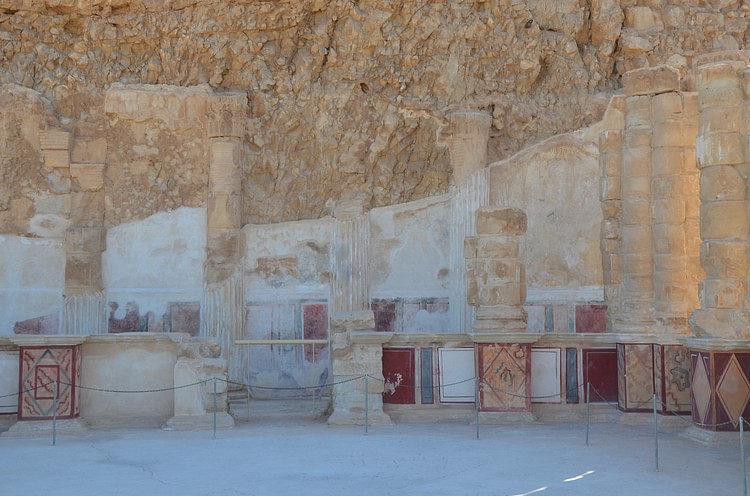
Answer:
(610, 166)
(722, 155)
(43, 360)
(223, 312)
(198, 359)
(85, 241)
(356, 350)
(675, 211)
(497, 290)
(469, 134)
(719, 357)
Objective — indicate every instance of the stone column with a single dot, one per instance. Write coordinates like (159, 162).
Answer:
(356, 350)
(223, 313)
(469, 134)
(497, 290)
(610, 166)
(675, 211)
(722, 155)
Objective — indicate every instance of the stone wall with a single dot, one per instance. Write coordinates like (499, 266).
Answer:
(375, 78)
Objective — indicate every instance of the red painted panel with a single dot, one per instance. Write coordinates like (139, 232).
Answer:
(591, 318)
(399, 371)
(39, 368)
(600, 369)
(315, 326)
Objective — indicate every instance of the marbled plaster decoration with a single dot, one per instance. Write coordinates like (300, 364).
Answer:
(600, 370)
(636, 374)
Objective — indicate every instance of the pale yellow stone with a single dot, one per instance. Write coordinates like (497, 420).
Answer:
(651, 80)
(668, 133)
(610, 188)
(54, 140)
(610, 163)
(720, 148)
(636, 187)
(636, 162)
(668, 161)
(723, 293)
(637, 112)
(666, 107)
(634, 213)
(56, 158)
(610, 141)
(722, 182)
(720, 119)
(668, 211)
(724, 220)
(635, 239)
(669, 238)
(725, 259)
(224, 211)
(90, 177)
(497, 220)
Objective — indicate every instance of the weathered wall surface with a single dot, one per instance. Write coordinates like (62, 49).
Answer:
(556, 184)
(374, 78)
(32, 278)
(153, 272)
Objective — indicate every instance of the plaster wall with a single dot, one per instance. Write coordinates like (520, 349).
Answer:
(155, 262)
(128, 362)
(32, 278)
(8, 380)
(409, 251)
(557, 184)
(288, 260)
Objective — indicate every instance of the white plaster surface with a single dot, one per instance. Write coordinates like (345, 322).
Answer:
(557, 184)
(289, 260)
(156, 260)
(410, 249)
(292, 458)
(32, 278)
(8, 381)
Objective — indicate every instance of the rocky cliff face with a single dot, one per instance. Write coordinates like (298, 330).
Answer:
(344, 96)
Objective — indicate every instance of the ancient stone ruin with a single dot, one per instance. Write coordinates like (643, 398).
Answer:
(410, 210)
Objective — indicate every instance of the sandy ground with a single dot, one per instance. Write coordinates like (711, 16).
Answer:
(311, 458)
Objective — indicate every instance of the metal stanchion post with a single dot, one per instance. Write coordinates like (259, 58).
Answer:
(742, 455)
(367, 404)
(588, 410)
(54, 413)
(656, 436)
(248, 403)
(476, 403)
(214, 407)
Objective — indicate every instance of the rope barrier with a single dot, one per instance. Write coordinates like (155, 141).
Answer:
(26, 390)
(129, 391)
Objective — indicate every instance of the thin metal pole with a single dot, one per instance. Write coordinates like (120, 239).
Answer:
(54, 413)
(588, 410)
(742, 455)
(248, 403)
(214, 407)
(367, 404)
(656, 436)
(476, 403)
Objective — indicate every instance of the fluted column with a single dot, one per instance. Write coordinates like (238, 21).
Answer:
(223, 312)
(469, 133)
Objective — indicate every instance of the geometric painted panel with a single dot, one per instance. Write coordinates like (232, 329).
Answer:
(701, 390)
(505, 374)
(398, 371)
(733, 390)
(39, 368)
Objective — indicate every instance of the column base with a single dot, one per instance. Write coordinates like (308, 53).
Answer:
(704, 436)
(30, 428)
(374, 418)
(501, 418)
(199, 422)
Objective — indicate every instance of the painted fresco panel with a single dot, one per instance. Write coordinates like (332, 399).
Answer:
(456, 373)
(545, 375)
(398, 371)
(427, 391)
(600, 370)
(505, 377)
(675, 379)
(635, 364)
(315, 326)
(39, 368)
(571, 375)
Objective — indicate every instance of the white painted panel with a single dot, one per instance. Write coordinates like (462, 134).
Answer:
(545, 375)
(8, 381)
(457, 370)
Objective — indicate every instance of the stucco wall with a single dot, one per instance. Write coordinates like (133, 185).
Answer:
(126, 362)
(32, 278)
